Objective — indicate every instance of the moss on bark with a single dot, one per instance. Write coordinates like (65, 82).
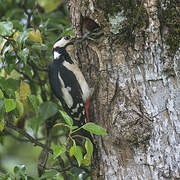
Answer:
(169, 16)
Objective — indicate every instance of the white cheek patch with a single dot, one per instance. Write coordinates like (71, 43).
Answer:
(56, 55)
(66, 96)
(60, 43)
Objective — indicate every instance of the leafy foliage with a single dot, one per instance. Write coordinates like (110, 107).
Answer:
(95, 129)
(28, 110)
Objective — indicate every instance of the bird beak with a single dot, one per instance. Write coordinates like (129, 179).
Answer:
(76, 40)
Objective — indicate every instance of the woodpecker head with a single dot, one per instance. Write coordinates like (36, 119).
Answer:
(63, 42)
(65, 45)
(60, 46)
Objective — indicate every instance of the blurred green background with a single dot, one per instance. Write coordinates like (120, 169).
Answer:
(28, 30)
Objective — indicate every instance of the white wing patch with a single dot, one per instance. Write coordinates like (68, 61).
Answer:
(68, 88)
(56, 55)
(80, 78)
(65, 91)
(75, 109)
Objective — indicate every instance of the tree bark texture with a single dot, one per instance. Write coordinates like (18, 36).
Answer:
(135, 74)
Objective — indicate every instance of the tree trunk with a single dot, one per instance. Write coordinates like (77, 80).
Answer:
(135, 72)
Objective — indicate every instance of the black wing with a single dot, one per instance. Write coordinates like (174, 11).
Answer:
(76, 111)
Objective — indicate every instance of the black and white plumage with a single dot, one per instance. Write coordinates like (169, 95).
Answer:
(67, 81)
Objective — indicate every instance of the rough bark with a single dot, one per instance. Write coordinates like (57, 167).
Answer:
(137, 92)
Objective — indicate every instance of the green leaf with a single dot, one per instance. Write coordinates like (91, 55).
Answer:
(34, 123)
(78, 155)
(1, 94)
(9, 83)
(33, 103)
(2, 44)
(9, 86)
(1, 125)
(77, 152)
(95, 129)
(72, 149)
(35, 36)
(49, 6)
(5, 50)
(2, 110)
(12, 84)
(10, 104)
(74, 127)
(20, 108)
(1, 104)
(67, 118)
(22, 38)
(47, 110)
(89, 148)
(49, 174)
(86, 161)
(6, 28)
(5, 176)
(58, 150)
(39, 47)
(18, 25)
(23, 54)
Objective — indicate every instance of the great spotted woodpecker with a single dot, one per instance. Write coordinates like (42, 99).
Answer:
(67, 81)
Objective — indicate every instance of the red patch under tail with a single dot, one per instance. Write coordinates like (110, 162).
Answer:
(86, 109)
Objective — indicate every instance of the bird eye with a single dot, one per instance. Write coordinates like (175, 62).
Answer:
(67, 37)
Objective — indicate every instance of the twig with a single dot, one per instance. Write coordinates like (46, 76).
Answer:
(26, 140)
(58, 169)
(29, 137)
(27, 13)
(25, 75)
(14, 48)
(32, 64)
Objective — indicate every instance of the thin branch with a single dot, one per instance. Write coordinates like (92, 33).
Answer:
(32, 64)
(14, 48)
(25, 75)
(37, 143)
(27, 13)
(14, 136)
(58, 169)
(29, 137)
(26, 140)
